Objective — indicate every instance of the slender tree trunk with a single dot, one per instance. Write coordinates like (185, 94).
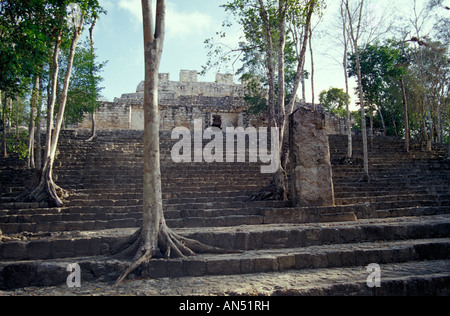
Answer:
(32, 125)
(91, 37)
(5, 145)
(9, 118)
(17, 118)
(38, 128)
(440, 103)
(303, 85)
(270, 65)
(383, 123)
(371, 121)
(155, 238)
(312, 69)
(355, 35)
(47, 189)
(406, 115)
(429, 130)
(281, 181)
(5, 150)
(278, 189)
(347, 96)
(365, 176)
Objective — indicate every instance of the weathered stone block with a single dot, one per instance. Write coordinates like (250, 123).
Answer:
(155, 269)
(266, 264)
(194, 267)
(303, 261)
(13, 251)
(63, 249)
(310, 154)
(223, 267)
(247, 266)
(286, 262)
(39, 250)
(320, 260)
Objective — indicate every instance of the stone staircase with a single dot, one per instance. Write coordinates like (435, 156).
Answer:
(403, 215)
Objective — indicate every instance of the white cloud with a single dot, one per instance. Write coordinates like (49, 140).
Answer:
(181, 24)
(133, 7)
(178, 24)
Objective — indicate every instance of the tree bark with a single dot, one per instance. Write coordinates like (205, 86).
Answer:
(406, 115)
(155, 238)
(38, 151)
(347, 108)
(347, 96)
(355, 35)
(270, 64)
(312, 69)
(278, 189)
(5, 149)
(383, 123)
(32, 125)
(47, 189)
(91, 38)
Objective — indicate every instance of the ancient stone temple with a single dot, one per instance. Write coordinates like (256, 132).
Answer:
(218, 104)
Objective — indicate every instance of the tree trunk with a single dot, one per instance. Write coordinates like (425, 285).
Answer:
(91, 37)
(347, 96)
(278, 189)
(365, 176)
(270, 65)
(382, 120)
(17, 118)
(406, 115)
(312, 69)
(355, 35)
(32, 125)
(281, 181)
(5, 145)
(38, 128)
(47, 189)
(155, 238)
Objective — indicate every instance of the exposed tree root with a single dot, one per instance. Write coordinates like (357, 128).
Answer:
(170, 245)
(276, 190)
(46, 191)
(269, 193)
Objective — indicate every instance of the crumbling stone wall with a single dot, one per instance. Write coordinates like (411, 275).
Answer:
(111, 115)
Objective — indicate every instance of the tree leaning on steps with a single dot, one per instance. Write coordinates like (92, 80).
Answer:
(73, 20)
(155, 238)
(46, 188)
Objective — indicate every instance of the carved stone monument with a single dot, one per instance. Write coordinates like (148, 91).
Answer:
(310, 158)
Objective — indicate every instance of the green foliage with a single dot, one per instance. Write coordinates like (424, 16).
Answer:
(18, 144)
(28, 31)
(425, 72)
(84, 90)
(334, 101)
(251, 51)
(379, 63)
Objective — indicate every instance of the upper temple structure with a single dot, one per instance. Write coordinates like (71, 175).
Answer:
(220, 104)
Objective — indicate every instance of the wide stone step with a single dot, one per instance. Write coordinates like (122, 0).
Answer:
(391, 201)
(35, 273)
(253, 237)
(412, 278)
(122, 200)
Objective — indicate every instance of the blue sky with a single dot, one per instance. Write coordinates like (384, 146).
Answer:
(119, 39)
